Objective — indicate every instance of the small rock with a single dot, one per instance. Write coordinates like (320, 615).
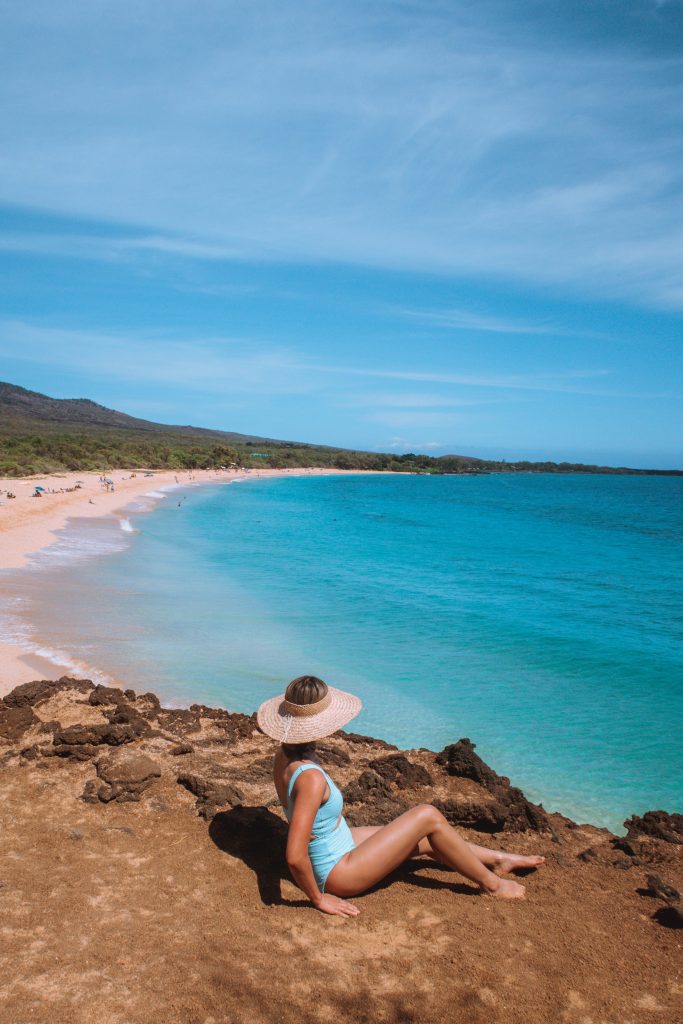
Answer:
(124, 777)
(181, 748)
(662, 889)
(211, 793)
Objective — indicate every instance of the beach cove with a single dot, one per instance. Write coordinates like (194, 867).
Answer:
(461, 615)
(29, 525)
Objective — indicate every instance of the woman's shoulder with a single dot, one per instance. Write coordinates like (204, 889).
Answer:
(302, 777)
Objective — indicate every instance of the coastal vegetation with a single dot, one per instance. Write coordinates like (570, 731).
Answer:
(39, 434)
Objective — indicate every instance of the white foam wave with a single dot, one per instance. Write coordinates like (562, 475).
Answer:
(78, 544)
(126, 526)
(15, 630)
(155, 494)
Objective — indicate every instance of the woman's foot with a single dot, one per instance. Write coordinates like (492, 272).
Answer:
(505, 889)
(515, 862)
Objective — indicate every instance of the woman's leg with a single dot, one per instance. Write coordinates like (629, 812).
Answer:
(503, 862)
(382, 851)
(499, 860)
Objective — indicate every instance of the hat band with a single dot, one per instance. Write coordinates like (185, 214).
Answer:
(304, 710)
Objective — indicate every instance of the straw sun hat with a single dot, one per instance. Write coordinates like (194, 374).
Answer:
(288, 722)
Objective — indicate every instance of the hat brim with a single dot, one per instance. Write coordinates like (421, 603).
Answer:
(275, 721)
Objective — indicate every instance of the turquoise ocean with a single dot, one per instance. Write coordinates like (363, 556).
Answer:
(539, 615)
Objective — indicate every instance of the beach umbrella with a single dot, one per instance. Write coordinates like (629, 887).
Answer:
(40, 488)
(107, 480)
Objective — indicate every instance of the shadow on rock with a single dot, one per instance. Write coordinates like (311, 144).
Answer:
(259, 838)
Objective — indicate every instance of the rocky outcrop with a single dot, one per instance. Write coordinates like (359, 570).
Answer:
(15, 721)
(123, 776)
(403, 773)
(509, 810)
(212, 793)
(656, 825)
(40, 690)
(144, 877)
(81, 742)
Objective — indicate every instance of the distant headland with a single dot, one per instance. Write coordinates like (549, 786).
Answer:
(39, 434)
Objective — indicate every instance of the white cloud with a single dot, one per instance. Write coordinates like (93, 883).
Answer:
(469, 320)
(402, 444)
(224, 366)
(238, 366)
(409, 400)
(454, 137)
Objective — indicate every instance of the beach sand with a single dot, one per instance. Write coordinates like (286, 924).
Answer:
(29, 524)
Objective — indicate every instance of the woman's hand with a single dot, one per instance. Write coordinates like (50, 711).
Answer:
(328, 904)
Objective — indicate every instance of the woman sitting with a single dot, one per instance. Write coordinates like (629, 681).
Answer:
(330, 861)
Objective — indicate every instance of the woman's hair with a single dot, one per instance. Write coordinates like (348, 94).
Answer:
(303, 690)
(306, 690)
(297, 751)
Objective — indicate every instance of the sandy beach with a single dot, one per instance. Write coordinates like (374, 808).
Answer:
(29, 524)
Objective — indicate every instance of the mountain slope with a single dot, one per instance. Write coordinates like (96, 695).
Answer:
(22, 410)
(40, 434)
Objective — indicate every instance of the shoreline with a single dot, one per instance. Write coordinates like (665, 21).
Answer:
(30, 525)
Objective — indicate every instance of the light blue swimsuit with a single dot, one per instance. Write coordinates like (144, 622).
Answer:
(330, 841)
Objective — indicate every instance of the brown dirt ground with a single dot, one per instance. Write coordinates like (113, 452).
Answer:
(134, 912)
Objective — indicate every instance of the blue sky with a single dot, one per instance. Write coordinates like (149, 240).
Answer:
(436, 226)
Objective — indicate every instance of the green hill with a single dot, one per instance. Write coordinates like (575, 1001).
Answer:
(39, 434)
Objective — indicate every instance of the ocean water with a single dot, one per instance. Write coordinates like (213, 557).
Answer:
(539, 615)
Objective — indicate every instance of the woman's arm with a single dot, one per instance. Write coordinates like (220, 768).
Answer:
(309, 790)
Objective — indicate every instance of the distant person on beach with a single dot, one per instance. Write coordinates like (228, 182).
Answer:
(330, 861)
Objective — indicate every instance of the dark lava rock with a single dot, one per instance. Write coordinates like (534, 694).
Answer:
(662, 890)
(370, 741)
(258, 771)
(14, 721)
(460, 759)
(181, 748)
(29, 694)
(106, 695)
(379, 812)
(482, 817)
(211, 793)
(330, 754)
(623, 863)
(30, 753)
(657, 825)
(126, 714)
(513, 809)
(186, 722)
(123, 776)
(40, 690)
(374, 799)
(151, 699)
(81, 741)
(398, 769)
(588, 856)
(367, 788)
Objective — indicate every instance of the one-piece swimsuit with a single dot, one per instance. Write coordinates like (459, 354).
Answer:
(332, 837)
